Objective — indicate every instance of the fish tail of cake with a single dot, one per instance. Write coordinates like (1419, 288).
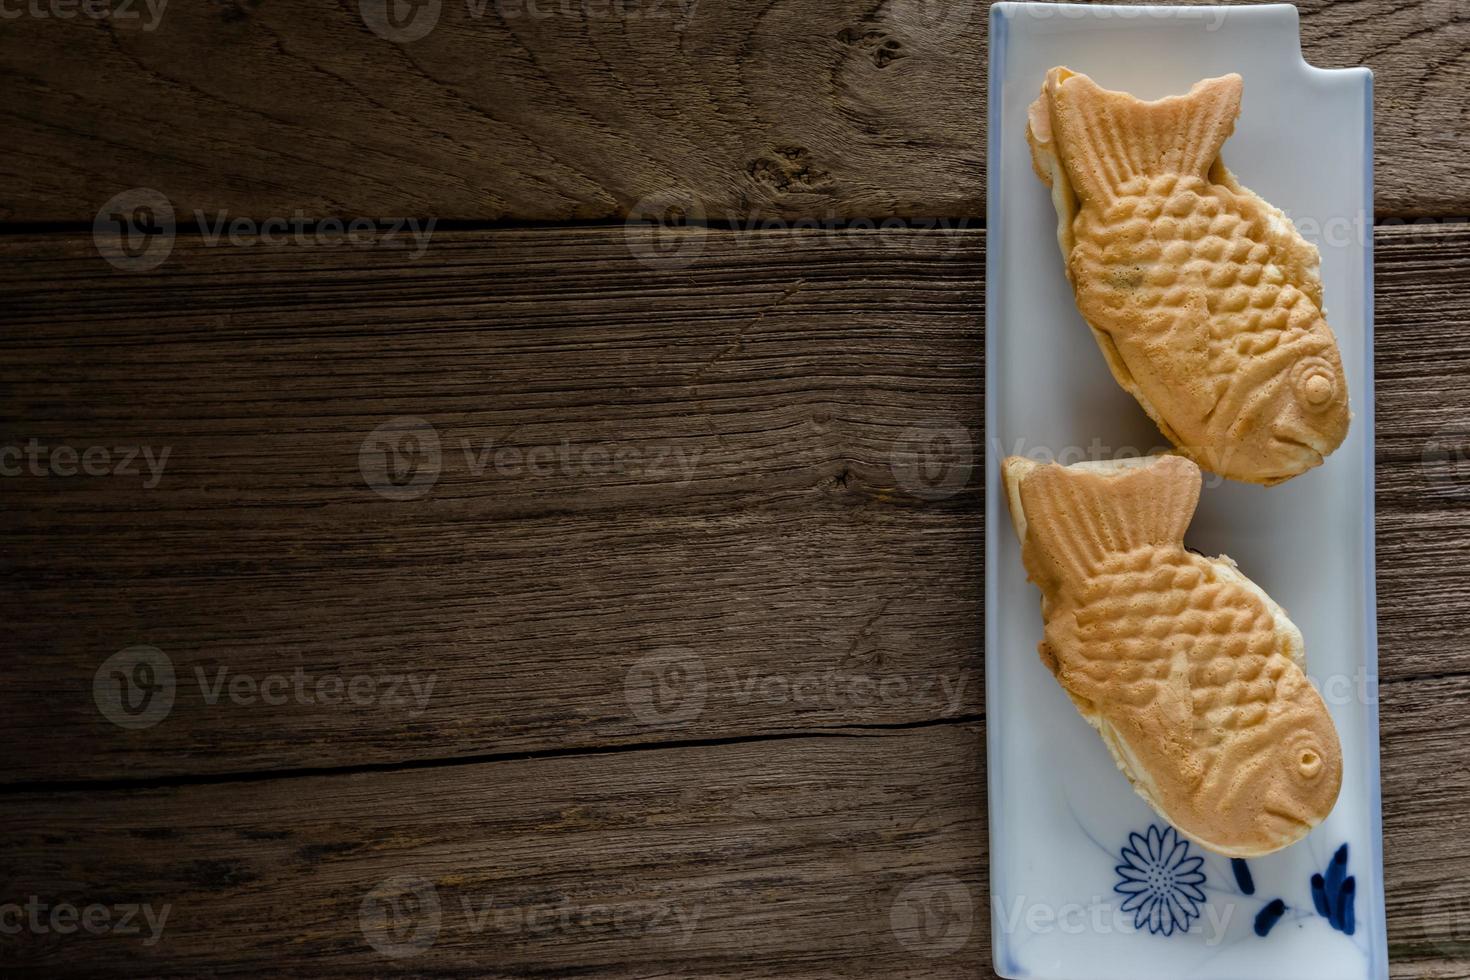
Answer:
(1076, 517)
(1108, 139)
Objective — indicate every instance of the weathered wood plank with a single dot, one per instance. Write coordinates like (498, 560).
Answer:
(739, 496)
(792, 857)
(768, 523)
(807, 857)
(558, 109)
(1426, 817)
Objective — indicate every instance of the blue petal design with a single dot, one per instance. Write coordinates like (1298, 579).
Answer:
(1156, 919)
(1131, 873)
(1137, 901)
(1178, 912)
(1158, 879)
(1193, 864)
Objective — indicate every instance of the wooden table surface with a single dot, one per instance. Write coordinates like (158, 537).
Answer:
(571, 596)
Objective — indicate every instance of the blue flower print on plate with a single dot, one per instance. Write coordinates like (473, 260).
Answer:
(1160, 881)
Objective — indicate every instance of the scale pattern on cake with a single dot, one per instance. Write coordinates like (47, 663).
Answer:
(1205, 299)
(1192, 675)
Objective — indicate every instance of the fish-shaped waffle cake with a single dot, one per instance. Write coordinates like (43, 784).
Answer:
(1205, 300)
(1189, 671)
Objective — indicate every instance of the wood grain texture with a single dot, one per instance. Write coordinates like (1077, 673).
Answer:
(814, 857)
(788, 406)
(561, 109)
(693, 465)
(859, 855)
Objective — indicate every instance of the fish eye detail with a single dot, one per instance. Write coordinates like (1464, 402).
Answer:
(1309, 763)
(1315, 383)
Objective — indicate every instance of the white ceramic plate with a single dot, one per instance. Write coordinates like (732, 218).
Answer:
(1061, 815)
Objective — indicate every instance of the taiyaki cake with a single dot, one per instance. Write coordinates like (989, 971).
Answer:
(1205, 300)
(1190, 672)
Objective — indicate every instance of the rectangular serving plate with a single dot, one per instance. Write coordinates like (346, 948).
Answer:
(1061, 814)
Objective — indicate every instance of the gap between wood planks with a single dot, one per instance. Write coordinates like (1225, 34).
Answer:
(267, 775)
(300, 772)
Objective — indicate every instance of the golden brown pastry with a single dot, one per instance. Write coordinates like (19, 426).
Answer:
(1205, 300)
(1188, 670)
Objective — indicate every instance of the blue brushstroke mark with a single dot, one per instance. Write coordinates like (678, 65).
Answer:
(1337, 870)
(1346, 921)
(1243, 876)
(1319, 897)
(1334, 893)
(1267, 918)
